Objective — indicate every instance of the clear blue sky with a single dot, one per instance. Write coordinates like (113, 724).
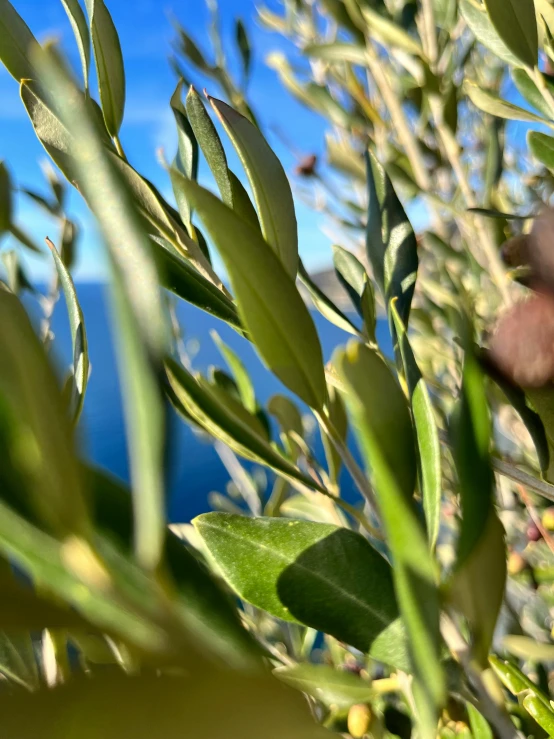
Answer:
(145, 31)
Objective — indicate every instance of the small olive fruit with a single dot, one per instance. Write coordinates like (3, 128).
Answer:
(359, 720)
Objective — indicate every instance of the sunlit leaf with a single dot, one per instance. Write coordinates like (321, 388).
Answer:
(529, 90)
(516, 24)
(269, 303)
(78, 336)
(339, 419)
(109, 64)
(269, 183)
(324, 304)
(326, 684)
(426, 433)
(186, 160)
(82, 36)
(383, 426)
(541, 147)
(326, 577)
(17, 43)
(390, 32)
(543, 716)
(240, 375)
(337, 52)
(479, 22)
(491, 103)
(17, 659)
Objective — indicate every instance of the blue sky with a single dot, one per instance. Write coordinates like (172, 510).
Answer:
(145, 31)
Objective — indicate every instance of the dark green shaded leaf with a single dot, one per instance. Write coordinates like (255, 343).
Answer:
(326, 577)
(17, 43)
(82, 37)
(426, 433)
(38, 465)
(240, 375)
(253, 704)
(186, 160)
(191, 50)
(541, 147)
(109, 64)
(269, 303)
(5, 199)
(269, 183)
(488, 213)
(383, 426)
(78, 336)
(17, 660)
(243, 44)
(16, 277)
(390, 240)
(324, 304)
(516, 24)
(326, 684)
(24, 238)
(231, 423)
(479, 22)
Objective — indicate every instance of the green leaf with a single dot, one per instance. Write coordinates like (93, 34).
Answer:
(480, 728)
(186, 160)
(323, 576)
(140, 319)
(489, 213)
(109, 64)
(353, 277)
(383, 426)
(191, 50)
(254, 704)
(5, 199)
(470, 431)
(390, 33)
(484, 31)
(24, 239)
(543, 716)
(17, 660)
(269, 183)
(17, 43)
(529, 90)
(339, 419)
(241, 37)
(232, 191)
(231, 423)
(38, 466)
(290, 422)
(514, 679)
(80, 29)
(326, 684)
(390, 240)
(15, 276)
(528, 649)
(79, 341)
(324, 304)
(477, 588)
(541, 147)
(269, 303)
(516, 24)
(338, 52)
(427, 434)
(240, 375)
(491, 103)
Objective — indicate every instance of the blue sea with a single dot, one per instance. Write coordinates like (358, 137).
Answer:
(194, 467)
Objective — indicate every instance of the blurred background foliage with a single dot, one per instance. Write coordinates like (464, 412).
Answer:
(424, 606)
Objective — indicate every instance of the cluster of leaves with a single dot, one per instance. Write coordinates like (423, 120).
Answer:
(132, 623)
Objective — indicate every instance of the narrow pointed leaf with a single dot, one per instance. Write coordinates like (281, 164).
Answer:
(186, 160)
(269, 303)
(109, 64)
(240, 375)
(269, 183)
(339, 419)
(5, 199)
(327, 684)
(236, 427)
(17, 43)
(491, 103)
(320, 575)
(480, 24)
(541, 147)
(324, 304)
(390, 32)
(383, 426)
(78, 336)
(78, 22)
(426, 433)
(338, 52)
(138, 309)
(528, 89)
(478, 724)
(17, 659)
(516, 24)
(243, 44)
(542, 715)
(390, 240)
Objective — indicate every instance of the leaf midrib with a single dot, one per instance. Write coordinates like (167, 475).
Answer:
(294, 563)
